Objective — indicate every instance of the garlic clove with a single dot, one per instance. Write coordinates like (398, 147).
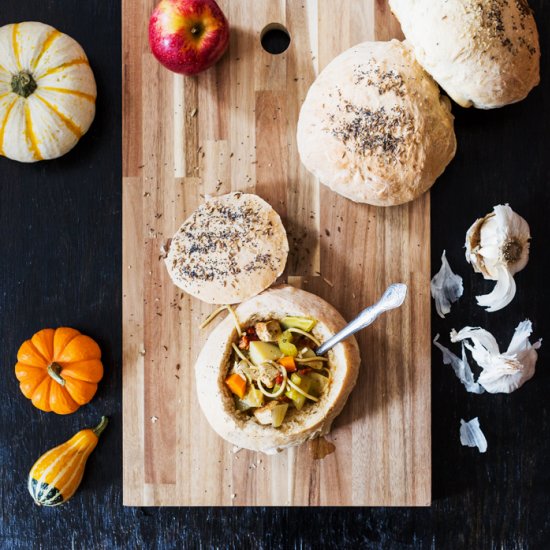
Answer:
(490, 264)
(502, 294)
(446, 287)
(490, 254)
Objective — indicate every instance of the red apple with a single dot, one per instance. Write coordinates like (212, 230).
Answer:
(188, 36)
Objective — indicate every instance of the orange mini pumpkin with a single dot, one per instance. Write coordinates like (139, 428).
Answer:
(58, 369)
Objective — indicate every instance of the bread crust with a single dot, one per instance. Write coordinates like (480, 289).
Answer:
(374, 127)
(231, 248)
(484, 54)
(314, 419)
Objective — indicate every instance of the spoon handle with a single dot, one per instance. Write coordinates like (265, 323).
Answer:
(393, 297)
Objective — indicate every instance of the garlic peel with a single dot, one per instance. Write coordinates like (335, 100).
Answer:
(471, 434)
(446, 287)
(520, 339)
(502, 294)
(460, 366)
(473, 238)
(497, 246)
(502, 372)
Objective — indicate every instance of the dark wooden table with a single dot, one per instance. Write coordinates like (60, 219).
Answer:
(60, 264)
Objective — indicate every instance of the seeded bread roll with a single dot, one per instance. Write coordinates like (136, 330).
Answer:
(374, 126)
(484, 53)
(231, 248)
(314, 419)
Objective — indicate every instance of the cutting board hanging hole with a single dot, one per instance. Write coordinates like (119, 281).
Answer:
(275, 38)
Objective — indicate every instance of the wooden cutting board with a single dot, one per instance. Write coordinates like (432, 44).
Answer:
(233, 128)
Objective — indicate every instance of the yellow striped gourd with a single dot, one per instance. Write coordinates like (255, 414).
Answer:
(47, 92)
(56, 475)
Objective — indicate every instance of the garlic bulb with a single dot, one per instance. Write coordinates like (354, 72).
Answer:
(502, 372)
(497, 246)
(446, 287)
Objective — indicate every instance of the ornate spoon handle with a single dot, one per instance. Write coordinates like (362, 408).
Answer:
(393, 297)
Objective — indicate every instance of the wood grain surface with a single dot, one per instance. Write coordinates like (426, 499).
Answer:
(233, 128)
(61, 265)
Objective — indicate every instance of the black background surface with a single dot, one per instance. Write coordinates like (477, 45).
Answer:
(60, 264)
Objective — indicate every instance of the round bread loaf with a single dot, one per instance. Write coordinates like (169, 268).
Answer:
(374, 126)
(484, 53)
(314, 419)
(231, 248)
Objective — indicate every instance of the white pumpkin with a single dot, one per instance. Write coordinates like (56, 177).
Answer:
(47, 92)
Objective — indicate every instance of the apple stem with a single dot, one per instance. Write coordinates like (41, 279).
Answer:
(195, 30)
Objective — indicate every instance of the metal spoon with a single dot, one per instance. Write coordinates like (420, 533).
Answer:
(393, 297)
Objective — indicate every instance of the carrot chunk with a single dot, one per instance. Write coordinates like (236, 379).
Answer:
(288, 363)
(236, 384)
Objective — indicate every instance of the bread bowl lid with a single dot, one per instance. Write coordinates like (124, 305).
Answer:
(231, 248)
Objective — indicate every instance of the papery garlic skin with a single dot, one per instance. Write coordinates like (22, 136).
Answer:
(502, 294)
(471, 434)
(446, 287)
(460, 367)
(502, 372)
(497, 246)
(473, 238)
